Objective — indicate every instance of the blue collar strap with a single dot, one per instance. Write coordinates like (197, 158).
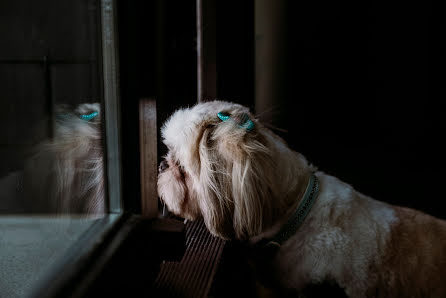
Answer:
(290, 228)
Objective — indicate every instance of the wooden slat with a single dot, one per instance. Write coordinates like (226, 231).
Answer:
(194, 274)
(148, 152)
(269, 59)
(206, 50)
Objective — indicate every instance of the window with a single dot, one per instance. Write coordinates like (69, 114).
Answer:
(62, 54)
(60, 181)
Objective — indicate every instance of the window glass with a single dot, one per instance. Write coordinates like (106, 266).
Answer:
(52, 141)
(51, 157)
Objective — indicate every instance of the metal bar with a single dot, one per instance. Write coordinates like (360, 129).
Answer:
(112, 105)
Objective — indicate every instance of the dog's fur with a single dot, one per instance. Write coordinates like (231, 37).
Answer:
(65, 173)
(245, 184)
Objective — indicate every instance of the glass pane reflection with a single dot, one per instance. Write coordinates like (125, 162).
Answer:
(51, 157)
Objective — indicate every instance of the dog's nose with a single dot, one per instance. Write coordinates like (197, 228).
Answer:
(163, 166)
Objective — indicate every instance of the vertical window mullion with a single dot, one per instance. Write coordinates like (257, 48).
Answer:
(111, 104)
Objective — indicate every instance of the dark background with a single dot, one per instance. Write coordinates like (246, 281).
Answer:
(362, 92)
(359, 84)
(158, 58)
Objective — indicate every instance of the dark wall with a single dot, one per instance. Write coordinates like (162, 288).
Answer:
(157, 48)
(158, 59)
(235, 51)
(359, 85)
(360, 97)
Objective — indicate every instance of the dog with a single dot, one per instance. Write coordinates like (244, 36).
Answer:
(225, 167)
(64, 174)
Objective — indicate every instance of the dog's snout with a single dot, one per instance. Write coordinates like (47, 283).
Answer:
(163, 166)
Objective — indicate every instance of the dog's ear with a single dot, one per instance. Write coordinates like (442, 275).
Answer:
(213, 187)
(234, 172)
(251, 188)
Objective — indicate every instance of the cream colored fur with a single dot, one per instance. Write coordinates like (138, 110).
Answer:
(65, 173)
(245, 184)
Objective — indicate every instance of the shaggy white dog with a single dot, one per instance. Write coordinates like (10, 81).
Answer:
(65, 173)
(247, 184)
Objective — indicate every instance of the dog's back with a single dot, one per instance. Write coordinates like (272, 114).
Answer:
(366, 247)
(414, 260)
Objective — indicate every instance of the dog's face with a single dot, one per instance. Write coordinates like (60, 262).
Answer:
(223, 169)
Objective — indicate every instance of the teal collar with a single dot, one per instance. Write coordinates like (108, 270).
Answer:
(290, 228)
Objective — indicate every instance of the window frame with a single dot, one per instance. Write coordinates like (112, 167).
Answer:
(111, 106)
(78, 261)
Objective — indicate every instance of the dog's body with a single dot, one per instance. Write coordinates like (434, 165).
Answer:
(247, 183)
(368, 248)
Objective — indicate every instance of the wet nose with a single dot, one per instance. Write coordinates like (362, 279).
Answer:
(163, 166)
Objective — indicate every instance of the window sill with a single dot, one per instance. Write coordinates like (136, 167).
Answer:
(34, 248)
